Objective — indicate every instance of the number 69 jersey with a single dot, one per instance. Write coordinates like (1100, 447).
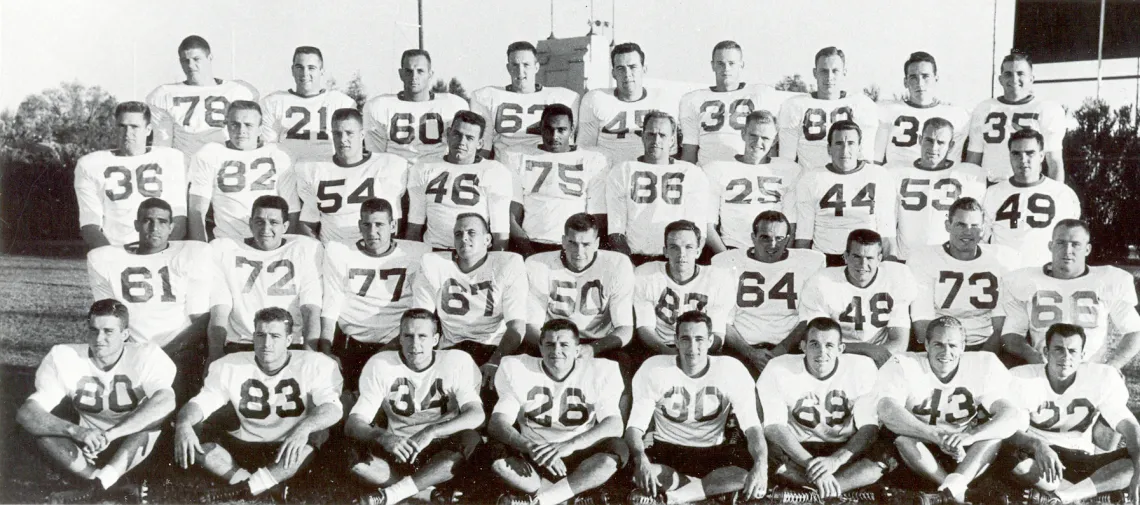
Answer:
(994, 120)
(1023, 217)
(187, 117)
(411, 130)
(970, 290)
(268, 406)
(598, 299)
(474, 305)
(412, 399)
(819, 410)
(302, 125)
(1066, 419)
(439, 191)
(554, 186)
(331, 193)
(231, 179)
(643, 198)
(551, 411)
(830, 205)
(110, 188)
(864, 314)
(962, 401)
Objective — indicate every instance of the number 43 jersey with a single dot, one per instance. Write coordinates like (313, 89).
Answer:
(963, 400)
(830, 409)
(232, 179)
(550, 411)
(1066, 419)
(412, 399)
(331, 193)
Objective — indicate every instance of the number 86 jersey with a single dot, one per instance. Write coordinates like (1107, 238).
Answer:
(549, 410)
(962, 401)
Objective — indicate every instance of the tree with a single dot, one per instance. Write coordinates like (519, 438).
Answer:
(355, 89)
(794, 83)
(872, 91)
(453, 86)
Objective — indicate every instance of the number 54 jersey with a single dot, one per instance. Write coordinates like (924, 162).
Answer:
(551, 411)
(1066, 419)
(412, 399)
(332, 194)
(830, 409)
(962, 401)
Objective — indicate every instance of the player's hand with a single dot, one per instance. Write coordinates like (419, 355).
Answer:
(586, 351)
(420, 441)
(818, 468)
(643, 476)
(556, 468)
(828, 487)
(399, 447)
(760, 357)
(1049, 463)
(546, 454)
(755, 483)
(186, 446)
(91, 440)
(488, 370)
(291, 448)
(953, 444)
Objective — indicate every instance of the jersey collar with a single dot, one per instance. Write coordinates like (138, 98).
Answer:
(950, 376)
(122, 352)
(367, 156)
(511, 88)
(977, 252)
(133, 248)
(1039, 182)
(562, 257)
(738, 88)
(1047, 269)
(696, 273)
(644, 94)
(831, 168)
(217, 82)
(828, 375)
(553, 378)
(1023, 101)
(945, 164)
(932, 105)
(288, 360)
(815, 95)
(298, 95)
(391, 249)
(455, 258)
(431, 363)
(701, 373)
(116, 153)
(752, 255)
(403, 97)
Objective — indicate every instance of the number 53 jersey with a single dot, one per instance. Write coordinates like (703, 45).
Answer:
(412, 399)
(962, 401)
(551, 411)
(1066, 419)
(830, 409)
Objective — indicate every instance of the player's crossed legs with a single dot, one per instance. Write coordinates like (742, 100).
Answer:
(400, 469)
(547, 476)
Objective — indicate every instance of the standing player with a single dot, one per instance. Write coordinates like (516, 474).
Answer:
(439, 190)
(513, 110)
(413, 122)
(1025, 207)
(901, 121)
(331, 190)
(612, 119)
(806, 120)
(110, 185)
(1017, 109)
(565, 404)
(417, 414)
(192, 113)
(231, 175)
(300, 119)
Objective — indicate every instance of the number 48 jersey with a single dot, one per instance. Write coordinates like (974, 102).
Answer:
(1066, 419)
(232, 179)
(331, 193)
(302, 125)
(552, 411)
(110, 188)
(513, 118)
(865, 313)
(819, 410)
(960, 402)
(412, 399)
(409, 129)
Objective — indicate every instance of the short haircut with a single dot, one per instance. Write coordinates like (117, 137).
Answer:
(660, 114)
(844, 125)
(938, 123)
(682, 225)
(110, 307)
(522, 45)
(470, 117)
(346, 114)
(133, 107)
(946, 323)
(153, 203)
(274, 314)
(271, 202)
(1027, 133)
(625, 48)
(770, 216)
(822, 324)
(483, 220)
(1016, 55)
(863, 236)
(920, 57)
(194, 42)
(760, 116)
(309, 50)
(1064, 330)
(694, 316)
(725, 45)
(1074, 223)
(830, 51)
(411, 53)
(965, 204)
(424, 314)
(237, 105)
(559, 324)
(580, 222)
(374, 205)
(555, 110)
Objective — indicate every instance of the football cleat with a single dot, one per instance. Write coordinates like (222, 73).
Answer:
(793, 496)
(377, 498)
(638, 497)
(941, 498)
(234, 492)
(1033, 496)
(514, 499)
(83, 494)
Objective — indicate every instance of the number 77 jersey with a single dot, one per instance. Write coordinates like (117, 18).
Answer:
(410, 129)
(960, 402)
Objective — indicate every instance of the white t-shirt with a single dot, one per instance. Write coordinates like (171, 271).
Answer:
(994, 120)
(970, 291)
(514, 120)
(924, 200)
(613, 126)
(830, 205)
(367, 294)
(412, 400)
(1023, 217)
(899, 139)
(1066, 419)
(830, 409)
(712, 120)
(110, 188)
(551, 410)
(963, 400)
(439, 191)
(187, 117)
(805, 119)
(598, 299)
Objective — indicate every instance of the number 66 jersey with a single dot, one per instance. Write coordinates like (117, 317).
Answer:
(963, 400)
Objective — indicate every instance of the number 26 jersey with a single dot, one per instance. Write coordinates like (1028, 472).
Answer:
(551, 410)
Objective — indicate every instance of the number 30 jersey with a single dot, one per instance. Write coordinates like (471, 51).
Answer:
(473, 305)
(643, 198)
(551, 411)
(411, 399)
(110, 188)
(554, 186)
(331, 193)
(924, 197)
(513, 119)
(302, 125)
(866, 313)
(994, 120)
(965, 399)
(830, 409)
(269, 406)
(188, 117)
(613, 125)
(658, 299)
(830, 205)
(232, 179)
(367, 294)
(410, 129)
(1023, 216)
(439, 191)
(805, 119)
(767, 295)
(968, 290)
(598, 299)
(1066, 419)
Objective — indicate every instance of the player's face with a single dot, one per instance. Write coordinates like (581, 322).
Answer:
(920, 80)
(195, 62)
(936, 144)
(681, 250)
(580, 248)
(105, 337)
(1064, 355)
(863, 261)
(1025, 158)
(348, 138)
(376, 228)
(1016, 79)
(1070, 246)
(844, 149)
(418, 338)
(770, 240)
(471, 239)
(557, 132)
(944, 348)
(628, 69)
(821, 350)
(464, 140)
(154, 227)
(727, 65)
(268, 227)
(658, 139)
(271, 342)
(559, 349)
(132, 130)
(523, 67)
(758, 138)
(244, 127)
(829, 72)
(416, 74)
(693, 342)
(966, 228)
(308, 73)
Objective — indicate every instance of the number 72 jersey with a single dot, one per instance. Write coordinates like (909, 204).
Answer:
(965, 400)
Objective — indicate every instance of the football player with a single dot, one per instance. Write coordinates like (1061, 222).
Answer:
(413, 122)
(440, 189)
(1068, 290)
(962, 277)
(565, 404)
(232, 175)
(901, 121)
(285, 401)
(646, 194)
(120, 392)
(367, 287)
(417, 414)
(331, 190)
(949, 408)
(192, 113)
(769, 277)
(300, 119)
(544, 200)
(513, 110)
(688, 397)
(611, 119)
(806, 120)
(1024, 208)
(845, 195)
(110, 185)
(1017, 109)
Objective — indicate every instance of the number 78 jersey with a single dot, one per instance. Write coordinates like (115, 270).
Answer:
(410, 129)
(964, 400)
(187, 117)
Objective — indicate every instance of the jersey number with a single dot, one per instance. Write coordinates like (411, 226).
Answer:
(231, 177)
(920, 197)
(574, 413)
(568, 184)
(739, 110)
(675, 405)
(508, 118)
(1037, 203)
(464, 190)
(283, 286)
(763, 192)
(990, 290)
(370, 275)
(590, 298)
(403, 132)
(1050, 423)
(298, 131)
(808, 415)
(815, 121)
(880, 305)
(254, 402)
(997, 123)
(129, 286)
(750, 290)
(455, 302)
(215, 109)
(909, 125)
(148, 183)
(964, 411)
(331, 201)
(669, 304)
(833, 199)
(89, 395)
(403, 398)
(617, 125)
(1046, 309)
(643, 187)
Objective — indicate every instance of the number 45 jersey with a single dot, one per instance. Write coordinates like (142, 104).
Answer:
(412, 399)
(551, 411)
(1066, 419)
(331, 193)
(962, 401)
(830, 409)
(613, 125)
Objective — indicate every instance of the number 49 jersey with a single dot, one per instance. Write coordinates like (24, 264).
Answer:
(1023, 217)
(643, 198)
(513, 119)
(187, 117)
(712, 119)
(658, 300)
(613, 125)
(994, 120)
(302, 125)
(331, 193)
(367, 294)
(551, 411)
(1066, 419)
(598, 299)
(819, 410)
(805, 119)
(409, 129)
(900, 130)
(924, 197)
(411, 399)
(110, 188)
(964, 400)
(232, 179)
(439, 191)
(864, 314)
(830, 205)
(474, 305)
(767, 299)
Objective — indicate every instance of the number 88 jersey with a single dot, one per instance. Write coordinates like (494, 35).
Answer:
(962, 401)
(830, 409)
(551, 410)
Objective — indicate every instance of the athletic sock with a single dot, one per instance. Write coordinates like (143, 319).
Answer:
(955, 483)
(402, 490)
(555, 493)
(108, 476)
(1079, 491)
(261, 481)
(691, 492)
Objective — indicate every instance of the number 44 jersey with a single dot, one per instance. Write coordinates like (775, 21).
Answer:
(830, 409)
(550, 411)
(963, 400)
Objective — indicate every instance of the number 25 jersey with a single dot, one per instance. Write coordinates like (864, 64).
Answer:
(830, 409)
(410, 399)
(551, 410)
(963, 400)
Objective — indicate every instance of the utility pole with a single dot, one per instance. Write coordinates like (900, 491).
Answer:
(420, 9)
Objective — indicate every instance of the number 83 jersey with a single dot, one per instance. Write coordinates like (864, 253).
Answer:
(963, 400)
(551, 410)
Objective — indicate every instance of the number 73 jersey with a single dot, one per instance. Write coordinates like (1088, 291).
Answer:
(1066, 419)
(965, 399)
(967, 290)
(864, 314)
(549, 410)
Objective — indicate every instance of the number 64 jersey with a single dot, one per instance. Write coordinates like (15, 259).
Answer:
(964, 400)
(551, 411)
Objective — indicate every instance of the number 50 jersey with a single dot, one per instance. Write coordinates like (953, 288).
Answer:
(962, 401)
(551, 411)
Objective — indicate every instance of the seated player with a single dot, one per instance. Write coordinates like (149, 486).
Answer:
(819, 415)
(845, 195)
(565, 404)
(110, 185)
(116, 395)
(688, 398)
(412, 122)
(1024, 208)
(869, 297)
(963, 278)
(769, 279)
(442, 188)
(367, 286)
(646, 194)
(284, 401)
(949, 408)
(415, 421)
(232, 175)
(543, 200)
(1068, 290)
(269, 269)
(300, 119)
(332, 189)
(901, 121)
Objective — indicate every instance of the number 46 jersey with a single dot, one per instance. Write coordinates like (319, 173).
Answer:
(819, 410)
(962, 401)
(331, 193)
(412, 399)
(1066, 419)
(439, 191)
(550, 411)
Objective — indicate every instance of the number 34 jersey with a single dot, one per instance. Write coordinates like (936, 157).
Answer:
(232, 179)
(331, 193)
(412, 399)
(268, 406)
(863, 313)
(551, 410)
(965, 399)
(830, 409)
(1066, 419)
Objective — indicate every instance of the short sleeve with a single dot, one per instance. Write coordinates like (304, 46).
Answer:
(514, 290)
(621, 301)
(325, 380)
(690, 121)
(213, 393)
(372, 391)
(467, 380)
(813, 304)
(160, 371)
(499, 194)
(596, 188)
(201, 174)
(219, 288)
(865, 412)
(741, 394)
(1053, 128)
(588, 126)
(790, 131)
(1016, 311)
(615, 200)
(417, 204)
(611, 390)
(977, 128)
(101, 286)
(1123, 305)
(375, 134)
(50, 390)
(904, 294)
(922, 309)
(509, 403)
(643, 302)
(87, 193)
(481, 105)
(310, 208)
(309, 289)
(886, 219)
(644, 399)
(537, 296)
(201, 282)
(805, 209)
(423, 292)
(772, 404)
(891, 382)
(333, 285)
(1114, 406)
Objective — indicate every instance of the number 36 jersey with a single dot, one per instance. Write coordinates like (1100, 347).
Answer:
(962, 401)
(1066, 419)
(232, 179)
(866, 313)
(411, 399)
(474, 305)
(409, 129)
(550, 411)
(830, 409)
(331, 193)
(110, 188)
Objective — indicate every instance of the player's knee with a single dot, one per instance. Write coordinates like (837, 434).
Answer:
(373, 470)
(469, 440)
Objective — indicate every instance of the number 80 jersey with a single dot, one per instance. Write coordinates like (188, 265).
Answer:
(962, 401)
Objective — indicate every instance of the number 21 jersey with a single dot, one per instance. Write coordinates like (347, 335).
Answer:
(963, 400)
(410, 129)
(551, 411)
(302, 125)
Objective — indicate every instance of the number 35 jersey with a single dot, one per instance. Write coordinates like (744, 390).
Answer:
(554, 186)
(962, 401)
(967, 290)
(411, 399)
(830, 205)
(473, 305)
(110, 188)
(830, 409)
(1066, 419)
(643, 198)
(551, 411)
(864, 314)
(1023, 216)
(994, 120)
(331, 193)
(231, 179)
(411, 130)
(439, 191)
(658, 300)
(268, 406)
(598, 299)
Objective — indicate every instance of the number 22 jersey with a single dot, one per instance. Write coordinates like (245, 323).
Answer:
(1066, 419)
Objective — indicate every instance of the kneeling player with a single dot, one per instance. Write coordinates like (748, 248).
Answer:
(285, 401)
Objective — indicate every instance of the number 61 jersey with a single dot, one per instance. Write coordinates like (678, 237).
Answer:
(819, 410)
(551, 411)
(964, 400)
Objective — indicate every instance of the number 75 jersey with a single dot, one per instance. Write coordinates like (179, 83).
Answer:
(964, 400)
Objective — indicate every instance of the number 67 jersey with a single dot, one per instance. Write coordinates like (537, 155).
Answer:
(963, 400)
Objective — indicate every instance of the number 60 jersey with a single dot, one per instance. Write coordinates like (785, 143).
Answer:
(410, 129)
(962, 401)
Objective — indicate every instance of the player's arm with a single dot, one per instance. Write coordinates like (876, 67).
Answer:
(588, 123)
(1014, 340)
(896, 418)
(1129, 430)
(736, 342)
(791, 131)
(520, 241)
(162, 123)
(333, 296)
(328, 411)
(309, 220)
(713, 240)
(742, 395)
(1007, 419)
(1126, 350)
(1055, 166)
(87, 190)
(514, 310)
(621, 311)
(640, 415)
(310, 291)
(690, 129)
(775, 410)
(217, 331)
(149, 414)
(805, 212)
(647, 319)
(976, 143)
(417, 206)
(499, 195)
(616, 211)
(196, 218)
(882, 138)
(34, 416)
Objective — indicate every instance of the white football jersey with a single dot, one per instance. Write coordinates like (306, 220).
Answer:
(232, 179)
(742, 191)
(331, 193)
(1066, 419)
(412, 400)
(248, 279)
(408, 129)
(1023, 217)
(994, 120)
(161, 290)
(439, 191)
(863, 313)
(552, 411)
(110, 188)
(925, 197)
(554, 186)
(187, 117)
(269, 406)
(514, 120)
(367, 294)
(962, 401)
(302, 125)
(970, 291)
(899, 139)
(597, 299)
(1104, 297)
(830, 409)
(691, 411)
(829, 205)
(712, 120)
(643, 198)
(613, 126)
(767, 302)
(474, 305)
(805, 119)
(102, 397)
(658, 300)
